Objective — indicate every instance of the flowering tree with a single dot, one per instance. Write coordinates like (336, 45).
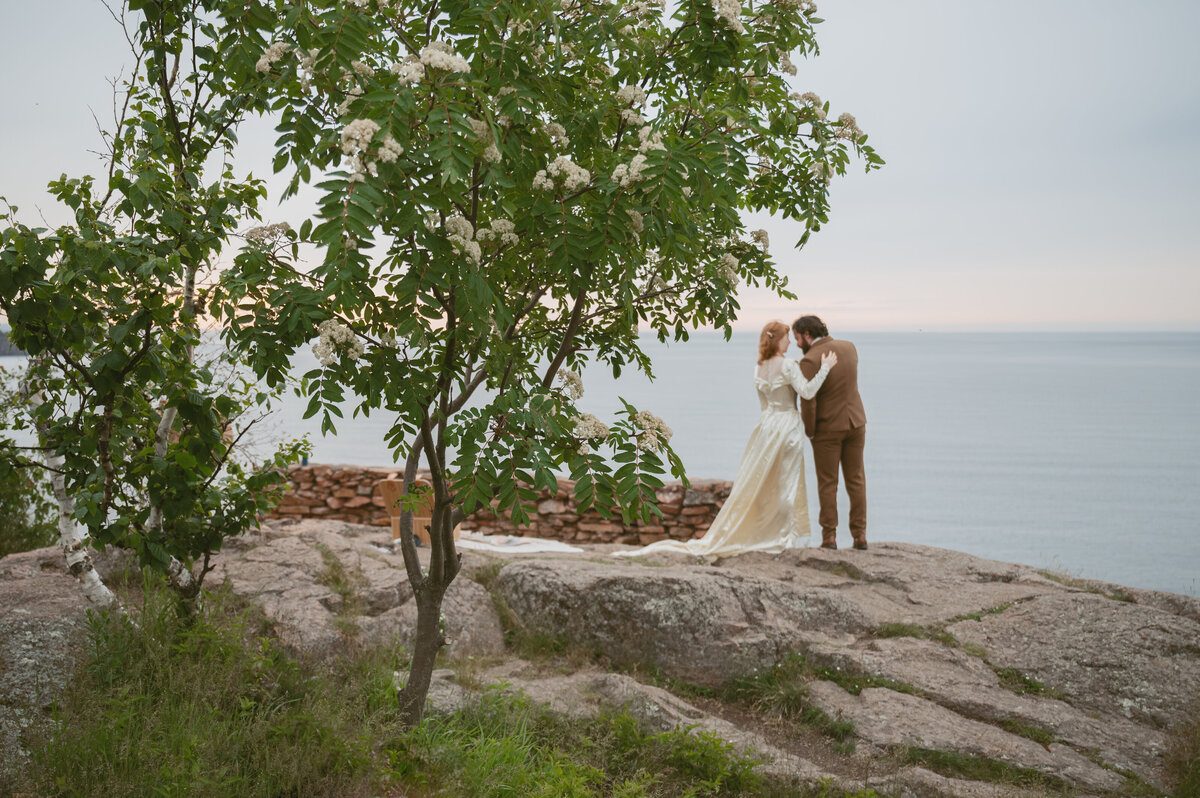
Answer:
(510, 191)
(137, 434)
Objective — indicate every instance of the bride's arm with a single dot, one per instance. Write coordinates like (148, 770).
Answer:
(807, 388)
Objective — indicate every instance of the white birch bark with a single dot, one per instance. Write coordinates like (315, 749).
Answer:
(72, 538)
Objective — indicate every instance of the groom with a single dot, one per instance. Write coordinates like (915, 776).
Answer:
(836, 423)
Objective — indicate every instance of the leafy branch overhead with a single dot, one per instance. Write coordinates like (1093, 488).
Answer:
(507, 190)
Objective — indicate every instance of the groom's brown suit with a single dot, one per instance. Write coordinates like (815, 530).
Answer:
(837, 424)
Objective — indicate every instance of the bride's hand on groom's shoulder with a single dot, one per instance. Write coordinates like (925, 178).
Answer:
(829, 359)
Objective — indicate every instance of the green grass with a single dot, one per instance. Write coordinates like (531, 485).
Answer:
(209, 709)
(854, 682)
(503, 745)
(973, 650)
(1028, 731)
(1017, 682)
(1183, 755)
(213, 708)
(1066, 580)
(936, 633)
(976, 768)
(345, 584)
(902, 630)
(979, 616)
(782, 692)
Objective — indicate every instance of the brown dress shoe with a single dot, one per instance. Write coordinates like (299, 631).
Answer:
(829, 545)
(861, 545)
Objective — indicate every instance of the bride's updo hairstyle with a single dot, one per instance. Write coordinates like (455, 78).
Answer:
(768, 340)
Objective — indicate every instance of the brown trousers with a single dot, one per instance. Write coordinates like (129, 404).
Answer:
(841, 448)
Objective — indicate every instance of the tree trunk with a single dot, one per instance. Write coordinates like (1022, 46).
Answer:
(72, 539)
(426, 644)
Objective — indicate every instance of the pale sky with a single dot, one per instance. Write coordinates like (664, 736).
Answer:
(1043, 162)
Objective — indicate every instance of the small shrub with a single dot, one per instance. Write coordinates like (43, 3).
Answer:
(27, 515)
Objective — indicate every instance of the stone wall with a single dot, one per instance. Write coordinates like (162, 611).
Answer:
(347, 493)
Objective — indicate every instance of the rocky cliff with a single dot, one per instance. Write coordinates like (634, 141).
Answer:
(920, 656)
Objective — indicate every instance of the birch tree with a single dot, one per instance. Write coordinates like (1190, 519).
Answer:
(510, 191)
(138, 435)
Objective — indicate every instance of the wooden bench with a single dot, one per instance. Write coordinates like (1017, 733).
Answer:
(391, 490)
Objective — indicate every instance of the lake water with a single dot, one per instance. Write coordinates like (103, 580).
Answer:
(1077, 452)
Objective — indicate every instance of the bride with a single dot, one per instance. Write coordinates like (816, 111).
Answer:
(767, 509)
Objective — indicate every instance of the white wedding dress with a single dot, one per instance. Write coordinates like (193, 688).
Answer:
(767, 508)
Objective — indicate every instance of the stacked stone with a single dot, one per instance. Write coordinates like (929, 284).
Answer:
(347, 493)
(338, 493)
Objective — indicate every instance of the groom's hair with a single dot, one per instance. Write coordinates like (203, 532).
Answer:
(811, 325)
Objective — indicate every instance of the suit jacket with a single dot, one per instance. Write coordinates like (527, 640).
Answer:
(837, 405)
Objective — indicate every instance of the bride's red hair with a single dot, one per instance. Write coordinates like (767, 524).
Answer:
(768, 340)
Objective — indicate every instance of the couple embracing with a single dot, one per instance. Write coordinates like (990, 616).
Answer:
(767, 508)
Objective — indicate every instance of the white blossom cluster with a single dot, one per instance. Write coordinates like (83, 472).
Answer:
(483, 133)
(812, 99)
(632, 117)
(359, 3)
(634, 97)
(267, 233)
(729, 265)
(628, 174)
(637, 222)
(588, 427)
(572, 174)
(440, 55)
(308, 67)
(557, 134)
(653, 431)
(730, 13)
(785, 63)
(806, 7)
(335, 337)
(649, 140)
(820, 171)
(389, 149)
(361, 69)
(656, 284)
(848, 128)
(572, 383)
(352, 94)
(760, 237)
(274, 52)
(461, 234)
(357, 137)
(501, 230)
(644, 9)
(410, 71)
(631, 95)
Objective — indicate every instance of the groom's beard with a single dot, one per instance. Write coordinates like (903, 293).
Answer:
(805, 347)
